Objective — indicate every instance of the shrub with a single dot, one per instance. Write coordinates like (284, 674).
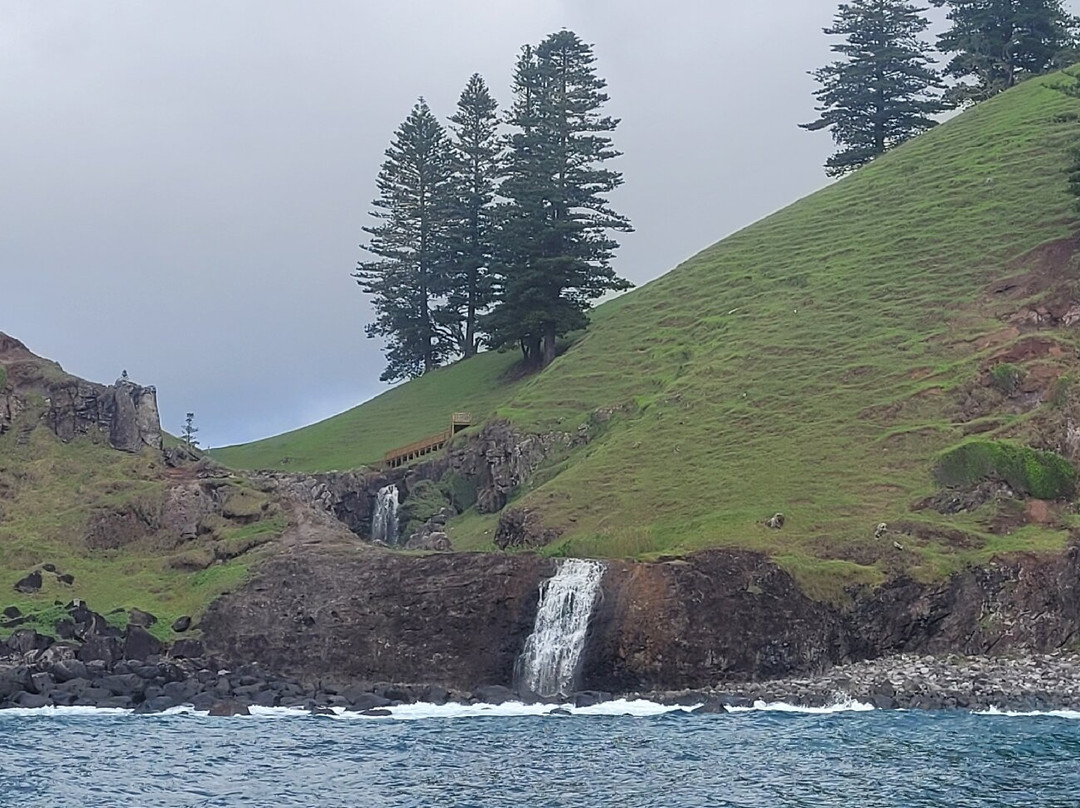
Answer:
(3, 378)
(1043, 475)
(1059, 393)
(1006, 378)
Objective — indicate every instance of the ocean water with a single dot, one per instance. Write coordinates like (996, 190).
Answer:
(625, 754)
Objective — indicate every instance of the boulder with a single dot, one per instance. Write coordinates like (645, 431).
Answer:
(377, 713)
(229, 708)
(588, 698)
(187, 649)
(492, 694)
(69, 669)
(122, 684)
(32, 701)
(711, 706)
(776, 521)
(368, 701)
(182, 624)
(30, 584)
(434, 694)
(26, 640)
(42, 683)
(137, 617)
(140, 643)
(100, 648)
(11, 612)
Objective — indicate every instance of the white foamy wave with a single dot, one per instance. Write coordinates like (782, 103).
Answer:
(64, 711)
(1072, 715)
(515, 709)
(839, 706)
(638, 708)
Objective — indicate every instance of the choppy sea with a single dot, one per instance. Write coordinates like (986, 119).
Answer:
(625, 754)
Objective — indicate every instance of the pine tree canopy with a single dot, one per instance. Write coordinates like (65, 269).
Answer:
(554, 251)
(883, 90)
(1000, 42)
(478, 153)
(410, 270)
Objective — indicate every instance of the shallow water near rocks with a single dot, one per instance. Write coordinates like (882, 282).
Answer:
(624, 753)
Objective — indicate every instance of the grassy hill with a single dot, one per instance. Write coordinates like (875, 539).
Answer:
(812, 364)
(95, 521)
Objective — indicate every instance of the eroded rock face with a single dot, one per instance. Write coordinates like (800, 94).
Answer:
(348, 496)
(461, 620)
(452, 619)
(498, 460)
(125, 411)
(715, 615)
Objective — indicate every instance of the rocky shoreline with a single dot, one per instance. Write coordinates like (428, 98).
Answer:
(1022, 683)
(130, 669)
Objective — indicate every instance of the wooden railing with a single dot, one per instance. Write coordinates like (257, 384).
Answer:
(396, 458)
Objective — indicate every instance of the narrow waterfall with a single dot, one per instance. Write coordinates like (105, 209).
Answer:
(549, 663)
(384, 522)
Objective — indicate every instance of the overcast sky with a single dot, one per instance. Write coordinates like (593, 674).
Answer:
(184, 184)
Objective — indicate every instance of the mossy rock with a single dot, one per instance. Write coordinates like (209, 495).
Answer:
(1028, 471)
(425, 500)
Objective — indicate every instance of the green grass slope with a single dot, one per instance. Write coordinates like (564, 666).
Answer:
(809, 364)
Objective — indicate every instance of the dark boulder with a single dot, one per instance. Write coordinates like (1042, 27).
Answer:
(229, 708)
(492, 694)
(158, 704)
(588, 698)
(73, 686)
(123, 684)
(30, 584)
(137, 617)
(42, 683)
(182, 624)
(140, 643)
(32, 701)
(711, 706)
(368, 701)
(26, 640)
(11, 612)
(377, 712)
(66, 578)
(434, 694)
(100, 648)
(68, 669)
(203, 701)
(187, 649)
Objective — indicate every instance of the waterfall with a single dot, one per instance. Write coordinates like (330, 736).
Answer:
(384, 522)
(549, 663)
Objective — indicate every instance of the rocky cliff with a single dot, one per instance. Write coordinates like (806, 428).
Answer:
(717, 616)
(126, 412)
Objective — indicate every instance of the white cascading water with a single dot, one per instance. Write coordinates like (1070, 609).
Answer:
(384, 522)
(549, 663)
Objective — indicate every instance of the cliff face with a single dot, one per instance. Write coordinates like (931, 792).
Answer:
(462, 620)
(125, 411)
(457, 619)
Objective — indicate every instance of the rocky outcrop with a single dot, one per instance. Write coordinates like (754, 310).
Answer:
(347, 496)
(450, 619)
(126, 412)
(500, 458)
(713, 617)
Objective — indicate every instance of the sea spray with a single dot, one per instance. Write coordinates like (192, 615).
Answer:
(552, 654)
(384, 522)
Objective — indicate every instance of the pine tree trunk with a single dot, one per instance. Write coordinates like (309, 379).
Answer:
(548, 345)
(470, 318)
